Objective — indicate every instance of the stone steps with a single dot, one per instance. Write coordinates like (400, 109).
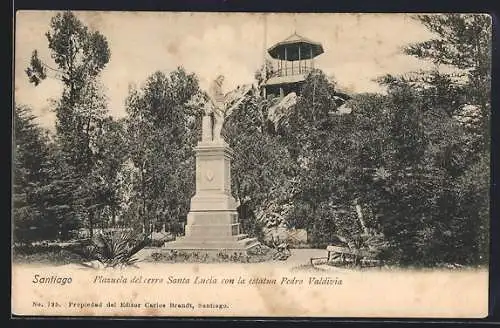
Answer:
(241, 236)
(249, 241)
(201, 238)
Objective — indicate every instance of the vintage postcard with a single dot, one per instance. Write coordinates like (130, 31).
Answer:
(251, 164)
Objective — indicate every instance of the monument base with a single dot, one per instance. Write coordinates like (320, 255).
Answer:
(212, 222)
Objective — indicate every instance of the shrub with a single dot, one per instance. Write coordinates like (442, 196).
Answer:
(114, 249)
(174, 256)
(157, 243)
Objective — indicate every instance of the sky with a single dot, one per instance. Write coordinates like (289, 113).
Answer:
(358, 48)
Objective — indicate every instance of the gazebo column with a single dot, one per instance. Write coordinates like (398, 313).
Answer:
(312, 58)
(285, 64)
(299, 60)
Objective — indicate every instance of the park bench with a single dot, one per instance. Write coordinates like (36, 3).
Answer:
(346, 255)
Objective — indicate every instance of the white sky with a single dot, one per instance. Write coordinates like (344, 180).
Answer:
(358, 48)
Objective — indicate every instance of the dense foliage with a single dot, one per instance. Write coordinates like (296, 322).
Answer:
(163, 125)
(30, 174)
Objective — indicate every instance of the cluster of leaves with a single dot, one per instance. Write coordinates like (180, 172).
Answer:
(163, 125)
(30, 156)
(266, 71)
(260, 165)
(114, 249)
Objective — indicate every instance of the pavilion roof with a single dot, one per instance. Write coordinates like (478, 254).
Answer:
(291, 45)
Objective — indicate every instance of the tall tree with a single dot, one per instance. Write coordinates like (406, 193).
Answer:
(80, 55)
(259, 178)
(463, 41)
(111, 161)
(31, 154)
(163, 126)
(317, 139)
(411, 162)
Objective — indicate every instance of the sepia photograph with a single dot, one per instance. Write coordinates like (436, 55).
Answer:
(208, 164)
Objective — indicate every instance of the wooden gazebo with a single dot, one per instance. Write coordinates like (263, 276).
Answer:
(294, 59)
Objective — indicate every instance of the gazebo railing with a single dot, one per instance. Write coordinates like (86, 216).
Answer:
(291, 71)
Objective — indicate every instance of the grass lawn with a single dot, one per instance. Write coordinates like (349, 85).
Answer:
(51, 255)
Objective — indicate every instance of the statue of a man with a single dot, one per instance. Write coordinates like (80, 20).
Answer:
(219, 107)
(216, 107)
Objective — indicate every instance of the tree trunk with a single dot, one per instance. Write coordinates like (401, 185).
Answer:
(113, 216)
(360, 216)
(143, 196)
(144, 221)
(314, 232)
(91, 224)
(99, 211)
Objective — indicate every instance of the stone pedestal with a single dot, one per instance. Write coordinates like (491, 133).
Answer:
(212, 222)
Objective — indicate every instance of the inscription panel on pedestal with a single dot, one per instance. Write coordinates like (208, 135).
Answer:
(210, 175)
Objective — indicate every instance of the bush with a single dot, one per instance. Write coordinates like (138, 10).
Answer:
(117, 248)
(157, 243)
(174, 256)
